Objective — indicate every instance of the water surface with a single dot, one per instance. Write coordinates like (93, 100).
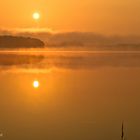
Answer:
(82, 95)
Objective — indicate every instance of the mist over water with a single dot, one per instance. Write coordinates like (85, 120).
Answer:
(44, 59)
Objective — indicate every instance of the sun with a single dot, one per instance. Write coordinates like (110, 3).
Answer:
(36, 84)
(36, 16)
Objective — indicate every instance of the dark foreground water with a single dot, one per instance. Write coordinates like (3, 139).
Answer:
(82, 95)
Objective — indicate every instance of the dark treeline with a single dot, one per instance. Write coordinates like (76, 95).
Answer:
(20, 42)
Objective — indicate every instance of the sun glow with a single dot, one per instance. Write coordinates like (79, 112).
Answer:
(36, 84)
(36, 16)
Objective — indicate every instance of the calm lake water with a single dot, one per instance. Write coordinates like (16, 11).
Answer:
(82, 95)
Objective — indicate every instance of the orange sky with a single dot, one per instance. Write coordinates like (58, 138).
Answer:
(102, 16)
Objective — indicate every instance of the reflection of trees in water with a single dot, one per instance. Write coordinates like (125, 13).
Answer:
(13, 59)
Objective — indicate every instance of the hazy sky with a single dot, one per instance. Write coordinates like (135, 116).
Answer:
(103, 16)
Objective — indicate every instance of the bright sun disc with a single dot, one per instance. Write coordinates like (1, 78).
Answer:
(36, 16)
(36, 84)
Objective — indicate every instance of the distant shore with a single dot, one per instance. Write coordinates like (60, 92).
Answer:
(12, 42)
